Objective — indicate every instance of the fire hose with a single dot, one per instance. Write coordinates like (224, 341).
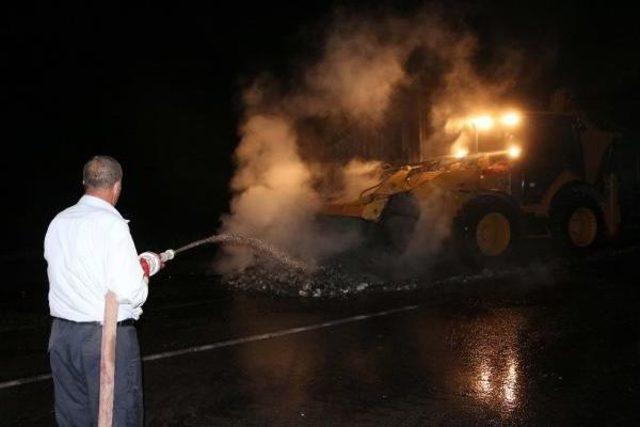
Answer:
(152, 263)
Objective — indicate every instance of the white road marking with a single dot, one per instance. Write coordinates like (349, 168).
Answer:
(232, 342)
(22, 381)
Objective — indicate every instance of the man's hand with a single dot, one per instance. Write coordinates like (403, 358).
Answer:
(151, 263)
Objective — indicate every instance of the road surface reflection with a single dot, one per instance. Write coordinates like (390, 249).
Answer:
(477, 357)
(465, 360)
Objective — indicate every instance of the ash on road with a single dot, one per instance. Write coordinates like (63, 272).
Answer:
(543, 343)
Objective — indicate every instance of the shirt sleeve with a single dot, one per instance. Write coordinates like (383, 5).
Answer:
(126, 277)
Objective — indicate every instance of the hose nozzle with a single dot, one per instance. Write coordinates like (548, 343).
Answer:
(167, 255)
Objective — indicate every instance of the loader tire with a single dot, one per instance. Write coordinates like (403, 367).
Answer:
(576, 221)
(486, 230)
(398, 220)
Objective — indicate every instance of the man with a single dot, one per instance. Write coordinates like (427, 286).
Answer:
(89, 251)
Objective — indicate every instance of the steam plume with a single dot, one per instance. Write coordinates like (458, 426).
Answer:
(366, 78)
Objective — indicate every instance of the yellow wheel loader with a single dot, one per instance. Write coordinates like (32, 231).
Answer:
(535, 174)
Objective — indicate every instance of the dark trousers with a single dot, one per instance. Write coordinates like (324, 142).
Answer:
(74, 353)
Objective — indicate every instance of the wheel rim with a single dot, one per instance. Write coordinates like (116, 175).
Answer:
(493, 234)
(582, 227)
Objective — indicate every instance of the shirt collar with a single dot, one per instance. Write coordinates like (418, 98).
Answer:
(97, 202)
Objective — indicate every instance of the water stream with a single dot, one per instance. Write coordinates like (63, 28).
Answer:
(259, 246)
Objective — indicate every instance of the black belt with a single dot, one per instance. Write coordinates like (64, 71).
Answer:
(125, 322)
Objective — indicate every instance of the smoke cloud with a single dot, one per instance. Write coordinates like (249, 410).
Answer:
(329, 136)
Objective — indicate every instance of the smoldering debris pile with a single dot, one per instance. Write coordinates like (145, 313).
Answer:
(328, 281)
(340, 281)
(514, 282)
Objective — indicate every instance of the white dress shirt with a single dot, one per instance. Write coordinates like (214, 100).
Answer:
(89, 251)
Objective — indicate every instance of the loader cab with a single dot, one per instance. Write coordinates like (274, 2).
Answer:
(551, 146)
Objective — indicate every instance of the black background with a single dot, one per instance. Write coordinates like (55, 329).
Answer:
(158, 87)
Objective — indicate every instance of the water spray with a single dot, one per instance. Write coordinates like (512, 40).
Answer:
(259, 246)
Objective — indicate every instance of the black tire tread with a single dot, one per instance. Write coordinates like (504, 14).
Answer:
(563, 205)
(465, 223)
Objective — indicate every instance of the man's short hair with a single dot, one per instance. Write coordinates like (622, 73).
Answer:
(101, 172)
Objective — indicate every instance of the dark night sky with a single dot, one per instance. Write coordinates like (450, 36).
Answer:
(158, 88)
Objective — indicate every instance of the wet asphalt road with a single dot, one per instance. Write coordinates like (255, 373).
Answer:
(557, 346)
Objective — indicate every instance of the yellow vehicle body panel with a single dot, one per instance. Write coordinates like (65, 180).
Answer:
(452, 184)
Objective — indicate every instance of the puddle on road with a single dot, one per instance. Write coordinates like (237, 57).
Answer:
(479, 358)
(461, 363)
(494, 379)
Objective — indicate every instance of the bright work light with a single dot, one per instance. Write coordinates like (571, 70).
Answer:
(514, 151)
(482, 122)
(511, 119)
